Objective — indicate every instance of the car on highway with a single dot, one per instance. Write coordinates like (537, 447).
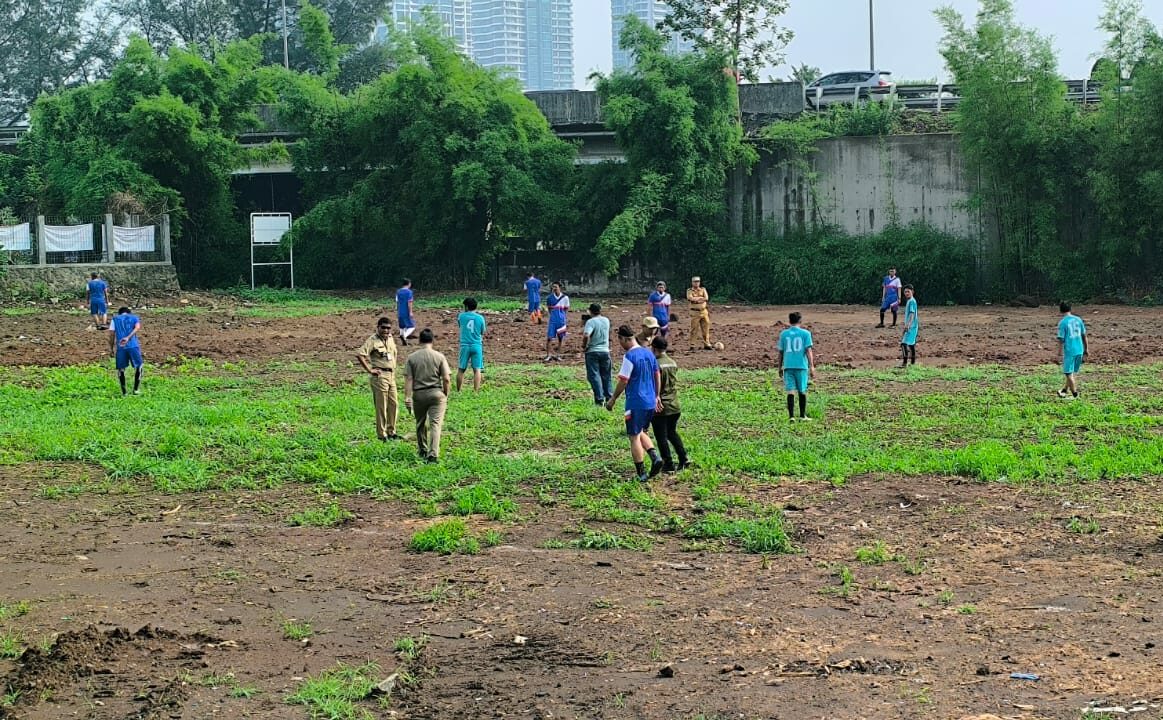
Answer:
(841, 87)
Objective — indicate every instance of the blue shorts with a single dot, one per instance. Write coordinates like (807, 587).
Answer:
(472, 354)
(405, 322)
(534, 305)
(129, 356)
(98, 307)
(1071, 364)
(795, 380)
(556, 330)
(893, 304)
(637, 421)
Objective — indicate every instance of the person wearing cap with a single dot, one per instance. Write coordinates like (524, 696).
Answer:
(648, 332)
(659, 302)
(698, 297)
(377, 355)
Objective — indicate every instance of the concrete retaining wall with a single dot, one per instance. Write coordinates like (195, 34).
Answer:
(68, 281)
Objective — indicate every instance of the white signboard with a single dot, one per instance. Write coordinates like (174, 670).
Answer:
(269, 228)
(15, 238)
(138, 239)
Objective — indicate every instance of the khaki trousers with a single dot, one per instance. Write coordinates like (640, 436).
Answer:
(386, 401)
(428, 406)
(701, 326)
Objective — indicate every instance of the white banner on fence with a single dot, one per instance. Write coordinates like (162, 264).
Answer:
(15, 238)
(138, 239)
(68, 238)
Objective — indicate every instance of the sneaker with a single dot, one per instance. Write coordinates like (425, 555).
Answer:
(656, 467)
(806, 418)
(138, 392)
(548, 358)
(642, 478)
(683, 465)
(669, 468)
(793, 418)
(1075, 396)
(391, 437)
(431, 459)
(880, 325)
(1063, 393)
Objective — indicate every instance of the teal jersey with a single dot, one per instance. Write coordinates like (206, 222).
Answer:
(472, 328)
(794, 343)
(1070, 331)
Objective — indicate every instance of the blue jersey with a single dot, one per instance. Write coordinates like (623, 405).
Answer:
(558, 310)
(472, 328)
(403, 300)
(638, 370)
(97, 289)
(794, 343)
(122, 326)
(533, 291)
(1070, 331)
(660, 307)
(892, 286)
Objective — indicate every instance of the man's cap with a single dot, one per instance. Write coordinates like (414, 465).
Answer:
(696, 278)
(650, 322)
(660, 284)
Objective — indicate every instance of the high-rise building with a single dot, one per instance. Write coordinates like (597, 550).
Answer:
(530, 39)
(650, 12)
(453, 15)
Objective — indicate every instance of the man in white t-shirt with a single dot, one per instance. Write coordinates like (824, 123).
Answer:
(597, 352)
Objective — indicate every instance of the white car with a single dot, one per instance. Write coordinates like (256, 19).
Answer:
(849, 86)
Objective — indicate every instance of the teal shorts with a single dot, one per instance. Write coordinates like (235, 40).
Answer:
(1071, 364)
(795, 380)
(472, 354)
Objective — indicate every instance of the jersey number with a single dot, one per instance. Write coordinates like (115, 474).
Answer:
(795, 345)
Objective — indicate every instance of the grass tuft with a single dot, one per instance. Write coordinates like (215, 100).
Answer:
(333, 694)
(330, 516)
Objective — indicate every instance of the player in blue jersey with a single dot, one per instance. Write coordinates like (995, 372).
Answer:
(404, 318)
(1074, 349)
(97, 295)
(533, 295)
(659, 304)
(797, 362)
(641, 380)
(890, 289)
(472, 350)
(558, 319)
(912, 326)
(124, 346)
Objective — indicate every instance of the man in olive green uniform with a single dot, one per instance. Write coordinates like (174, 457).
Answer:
(648, 332)
(378, 357)
(665, 423)
(427, 382)
(698, 298)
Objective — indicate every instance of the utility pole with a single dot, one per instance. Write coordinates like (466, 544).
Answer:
(286, 52)
(871, 41)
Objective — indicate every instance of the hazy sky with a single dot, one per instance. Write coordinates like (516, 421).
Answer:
(833, 34)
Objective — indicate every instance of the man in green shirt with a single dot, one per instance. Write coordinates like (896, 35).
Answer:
(665, 423)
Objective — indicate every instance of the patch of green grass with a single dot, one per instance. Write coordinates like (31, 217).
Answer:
(876, 554)
(445, 538)
(481, 499)
(915, 566)
(11, 645)
(765, 535)
(9, 699)
(244, 691)
(845, 585)
(408, 648)
(591, 539)
(215, 680)
(16, 609)
(1082, 526)
(945, 597)
(329, 516)
(333, 694)
(295, 630)
(967, 609)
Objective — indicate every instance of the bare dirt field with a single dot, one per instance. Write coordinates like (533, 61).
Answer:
(148, 605)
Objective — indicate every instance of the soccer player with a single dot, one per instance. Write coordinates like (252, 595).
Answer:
(377, 355)
(640, 379)
(427, 378)
(97, 295)
(659, 303)
(407, 323)
(533, 294)
(797, 361)
(597, 354)
(890, 296)
(697, 297)
(472, 350)
(558, 318)
(123, 345)
(912, 325)
(1073, 347)
(665, 422)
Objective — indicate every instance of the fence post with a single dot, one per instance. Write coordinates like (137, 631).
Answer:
(109, 253)
(166, 257)
(940, 93)
(41, 254)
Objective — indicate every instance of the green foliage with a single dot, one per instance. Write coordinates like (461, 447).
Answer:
(875, 554)
(745, 32)
(445, 537)
(295, 630)
(333, 694)
(329, 516)
(827, 266)
(676, 120)
(319, 40)
(804, 73)
(766, 535)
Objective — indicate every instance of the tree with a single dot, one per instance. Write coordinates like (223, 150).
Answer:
(675, 119)
(804, 73)
(744, 31)
(47, 45)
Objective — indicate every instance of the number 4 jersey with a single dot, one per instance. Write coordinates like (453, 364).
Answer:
(794, 343)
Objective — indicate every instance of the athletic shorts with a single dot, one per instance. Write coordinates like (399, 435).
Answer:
(97, 307)
(910, 338)
(555, 330)
(890, 305)
(534, 306)
(472, 355)
(795, 380)
(129, 356)
(638, 421)
(1071, 364)
(405, 322)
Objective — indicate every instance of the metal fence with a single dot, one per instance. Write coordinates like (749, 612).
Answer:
(58, 240)
(939, 97)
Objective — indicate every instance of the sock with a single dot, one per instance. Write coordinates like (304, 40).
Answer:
(791, 406)
(136, 379)
(640, 467)
(121, 379)
(913, 353)
(881, 317)
(654, 456)
(803, 404)
(904, 354)
(894, 317)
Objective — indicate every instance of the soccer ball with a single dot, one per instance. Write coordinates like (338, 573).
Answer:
(719, 346)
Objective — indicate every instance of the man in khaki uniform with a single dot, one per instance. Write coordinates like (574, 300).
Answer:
(698, 298)
(648, 332)
(378, 357)
(427, 382)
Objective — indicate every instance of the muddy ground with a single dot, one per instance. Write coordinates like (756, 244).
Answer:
(146, 605)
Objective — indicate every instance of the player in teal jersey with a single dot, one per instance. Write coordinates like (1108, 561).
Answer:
(797, 361)
(472, 351)
(912, 326)
(1072, 343)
